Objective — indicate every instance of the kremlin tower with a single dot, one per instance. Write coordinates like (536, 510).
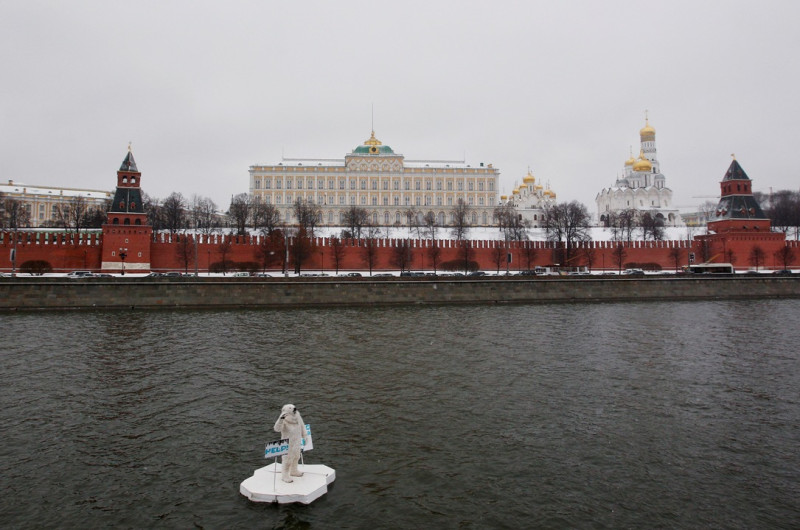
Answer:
(126, 234)
(738, 223)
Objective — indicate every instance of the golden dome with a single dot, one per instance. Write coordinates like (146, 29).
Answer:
(504, 197)
(538, 187)
(630, 161)
(516, 191)
(523, 185)
(529, 178)
(642, 164)
(647, 131)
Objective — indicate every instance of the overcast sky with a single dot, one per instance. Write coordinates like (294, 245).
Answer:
(204, 89)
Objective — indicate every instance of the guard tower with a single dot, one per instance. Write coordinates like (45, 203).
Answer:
(126, 234)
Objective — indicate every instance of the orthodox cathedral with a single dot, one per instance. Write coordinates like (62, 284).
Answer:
(642, 186)
(530, 199)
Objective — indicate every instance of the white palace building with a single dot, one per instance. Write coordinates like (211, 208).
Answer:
(642, 186)
(381, 181)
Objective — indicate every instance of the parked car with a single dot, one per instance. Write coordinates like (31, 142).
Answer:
(783, 272)
(154, 275)
(79, 274)
(633, 272)
(263, 275)
(241, 274)
(477, 273)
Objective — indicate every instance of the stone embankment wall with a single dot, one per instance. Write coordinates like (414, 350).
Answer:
(53, 293)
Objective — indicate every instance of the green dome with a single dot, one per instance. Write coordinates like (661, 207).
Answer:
(373, 146)
(373, 150)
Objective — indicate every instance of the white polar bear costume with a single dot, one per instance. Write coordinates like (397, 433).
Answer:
(291, 426)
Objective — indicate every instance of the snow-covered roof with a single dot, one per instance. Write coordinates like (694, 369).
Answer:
(14, 188)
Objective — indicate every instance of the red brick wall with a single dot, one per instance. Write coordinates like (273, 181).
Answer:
(72, 253)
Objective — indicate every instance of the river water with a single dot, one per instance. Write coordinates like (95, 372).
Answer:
(637, 415)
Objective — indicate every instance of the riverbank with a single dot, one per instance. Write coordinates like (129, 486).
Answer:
(140, 293)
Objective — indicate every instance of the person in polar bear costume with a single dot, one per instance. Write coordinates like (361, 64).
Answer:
(291, 426)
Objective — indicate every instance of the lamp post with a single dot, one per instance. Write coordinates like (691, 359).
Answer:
(123, 253)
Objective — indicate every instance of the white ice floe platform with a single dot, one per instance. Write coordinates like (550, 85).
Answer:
(266, 485)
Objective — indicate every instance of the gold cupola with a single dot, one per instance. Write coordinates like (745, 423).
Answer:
(647, 133)
(630, 161)
(529, 178)
(643, 164)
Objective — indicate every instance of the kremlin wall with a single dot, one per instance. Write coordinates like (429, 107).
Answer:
(128, 244)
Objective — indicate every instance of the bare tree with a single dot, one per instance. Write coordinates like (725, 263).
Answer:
(757, 256)
(431, 226)
(676, 254)
(308, 215)
(434, 252)
(466, 254)
(785, 255)
(622, 224)
(499, 254)
(401, 256)
(589, 256)
(239, 212)
(74, 214)
(652, 226)
(355, 219)
(337, 251)
(370, 248)
(784, 211)
(14, 214)
(266, 217)
(270, 250)
(567, 224)
(707, 210)
(460, 225)
(202, 214)
(155, 215)
(185, 251)
(619, 253)
(412, 216)
(224, 248)
(301, 249)
(174, 211)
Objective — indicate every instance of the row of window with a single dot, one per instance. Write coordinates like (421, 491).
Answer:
(374, 201)
(387, 219)
(373, 184)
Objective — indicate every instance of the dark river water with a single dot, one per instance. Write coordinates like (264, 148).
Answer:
(638, 415)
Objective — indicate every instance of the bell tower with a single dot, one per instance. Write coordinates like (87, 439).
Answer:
(126, 234)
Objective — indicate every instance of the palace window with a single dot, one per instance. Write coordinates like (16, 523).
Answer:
(417, 185)
(449, 186)
(460, 186)
(470, 185)
(363, 184)
(480, 186)
(439, 185)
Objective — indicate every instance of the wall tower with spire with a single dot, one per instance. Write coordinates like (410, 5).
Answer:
(126, 234)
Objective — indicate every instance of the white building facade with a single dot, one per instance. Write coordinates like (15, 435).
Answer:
(530, 199)
(384, 183)
(642, 186)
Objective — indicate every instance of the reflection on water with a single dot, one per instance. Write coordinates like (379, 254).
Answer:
(602, 415)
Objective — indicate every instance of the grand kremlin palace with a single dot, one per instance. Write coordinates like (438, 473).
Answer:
(384, 183)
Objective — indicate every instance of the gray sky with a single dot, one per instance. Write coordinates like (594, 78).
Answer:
(206, 89)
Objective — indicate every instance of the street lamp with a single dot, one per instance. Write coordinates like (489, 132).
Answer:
(122, 255)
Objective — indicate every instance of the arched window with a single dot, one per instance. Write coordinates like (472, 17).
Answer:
(138, 222)
(116, 221)
(127, 221)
